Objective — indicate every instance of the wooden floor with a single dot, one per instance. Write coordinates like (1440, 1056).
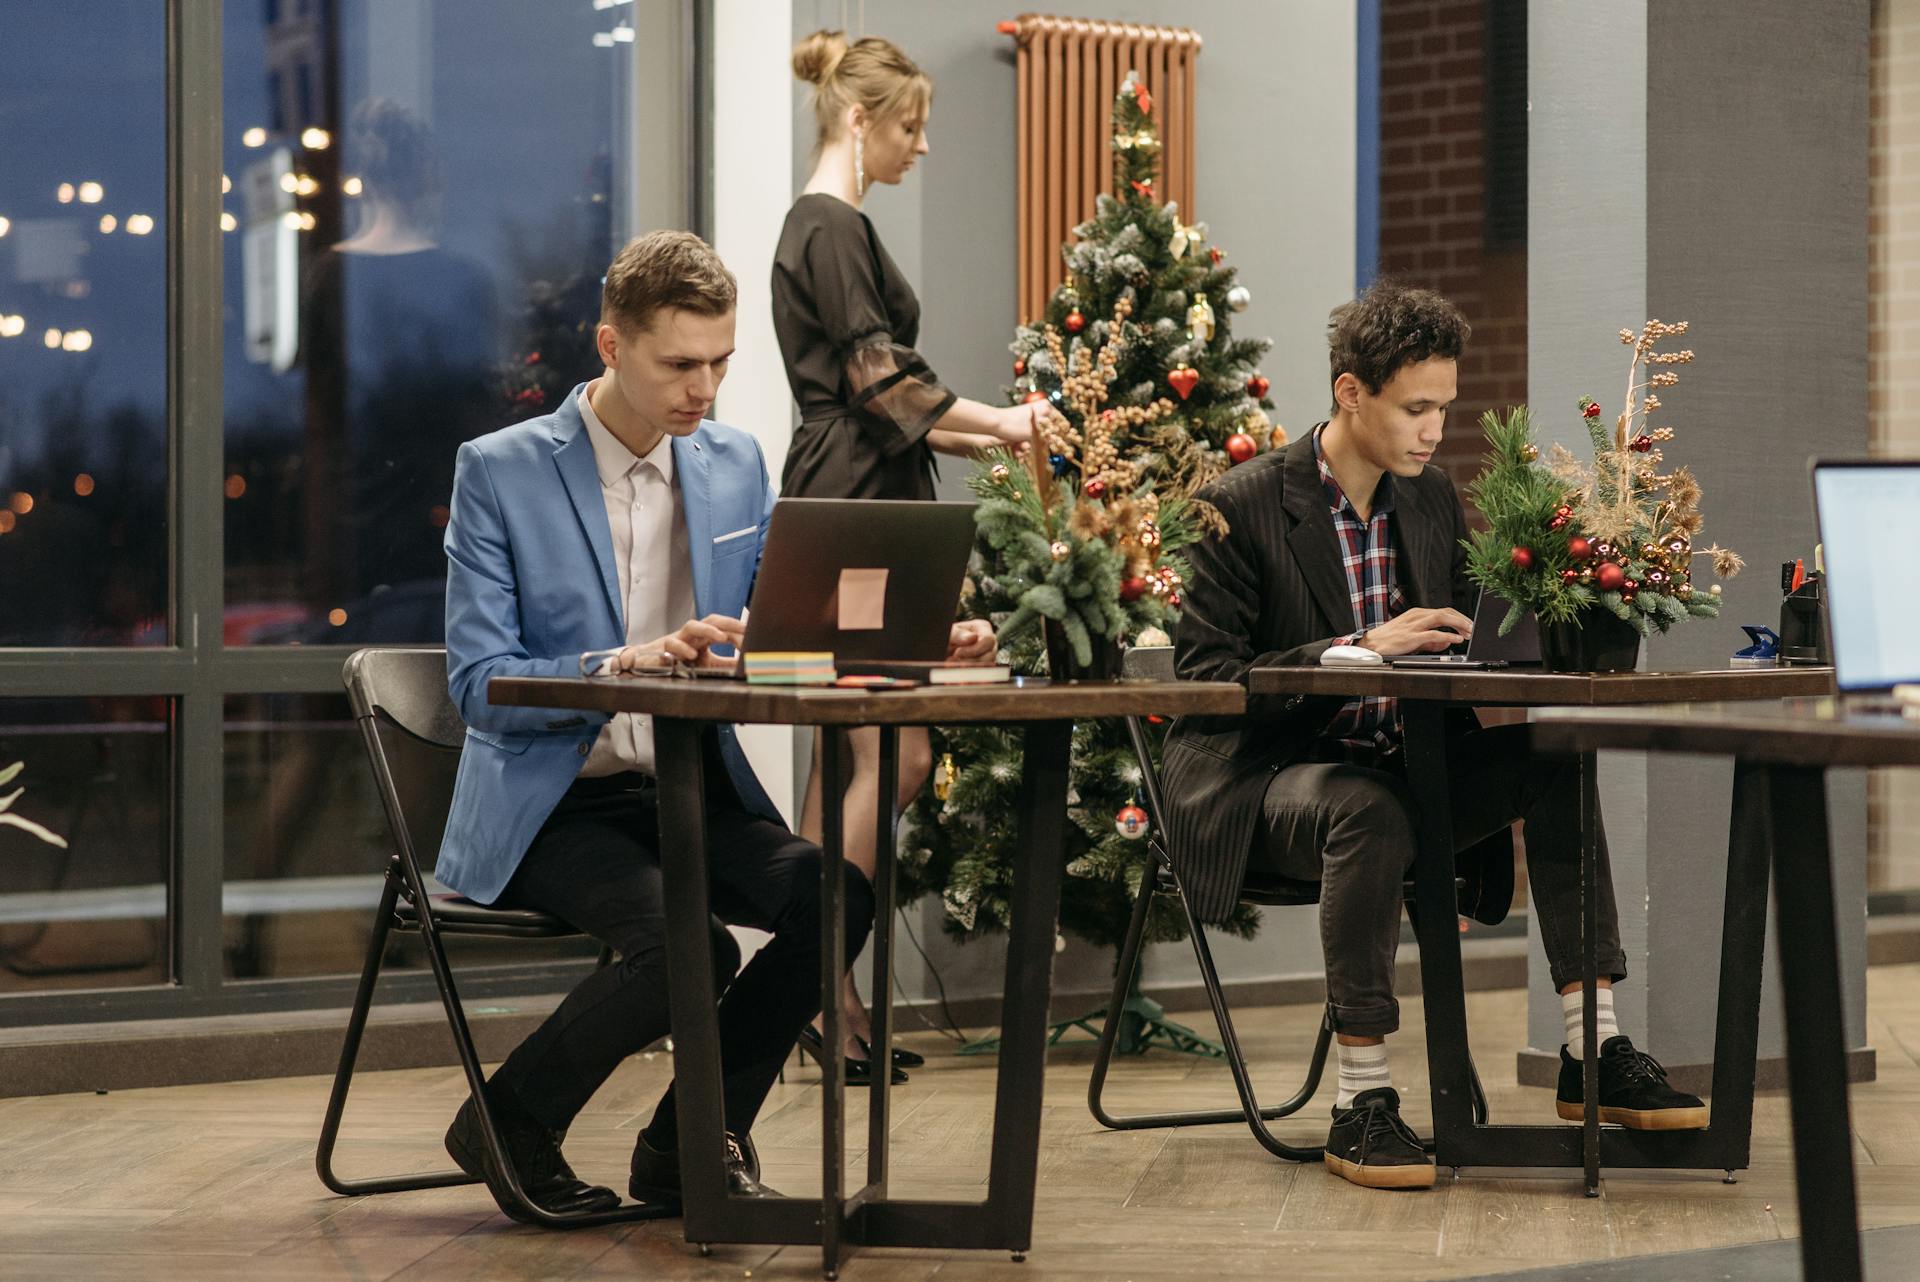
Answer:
(217, 1182)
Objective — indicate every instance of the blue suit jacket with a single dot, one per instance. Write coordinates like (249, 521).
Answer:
(531, 585)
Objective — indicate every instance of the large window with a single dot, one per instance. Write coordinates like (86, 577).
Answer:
(83, 459)
(263, 267)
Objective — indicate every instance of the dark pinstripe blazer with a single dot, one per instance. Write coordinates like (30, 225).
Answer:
(1271, 592)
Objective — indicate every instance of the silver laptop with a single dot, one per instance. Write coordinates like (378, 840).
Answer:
(1487, 649)
(1869, 517)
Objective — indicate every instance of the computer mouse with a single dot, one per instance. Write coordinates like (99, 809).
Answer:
(1335, 656)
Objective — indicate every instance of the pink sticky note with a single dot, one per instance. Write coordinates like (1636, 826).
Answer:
(863, 600)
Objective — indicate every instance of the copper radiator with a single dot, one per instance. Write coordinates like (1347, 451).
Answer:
(1069, 70)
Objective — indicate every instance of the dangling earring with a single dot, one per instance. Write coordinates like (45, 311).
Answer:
(859, 164)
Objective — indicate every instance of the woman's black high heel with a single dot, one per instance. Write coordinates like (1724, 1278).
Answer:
(859, 1071)
(902, 1057)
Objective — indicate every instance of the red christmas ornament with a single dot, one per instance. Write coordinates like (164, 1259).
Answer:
(1633, 585)
(1130, 821)
(1141, 96)
(1132, 589)
(1035, 395)
(1579, 547)
(1173, 600)
(1096, 488)
(1019, 366)
(1522, 558)
(1075, 321)
(1563, 510)
(1241, 447)
(1216, 253)
(1641, 443)
(1556, 523)
(1568, 576)
(1144, 187)
(1183, 380)
(1610, 577)
(1591, 409)
(1257, 387)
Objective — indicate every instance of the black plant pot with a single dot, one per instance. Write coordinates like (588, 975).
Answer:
(1060, 662)
(1597, 640)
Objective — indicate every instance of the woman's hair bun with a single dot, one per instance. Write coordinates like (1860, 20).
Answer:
(815, 58)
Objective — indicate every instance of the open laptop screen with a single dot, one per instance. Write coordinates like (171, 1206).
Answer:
(1869, 516)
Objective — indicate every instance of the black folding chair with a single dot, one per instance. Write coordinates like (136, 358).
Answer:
(1160, 878)
(406, 690)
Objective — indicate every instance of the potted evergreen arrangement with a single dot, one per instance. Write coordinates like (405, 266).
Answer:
(1602, 554)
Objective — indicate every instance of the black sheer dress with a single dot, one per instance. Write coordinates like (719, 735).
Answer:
(847, 321)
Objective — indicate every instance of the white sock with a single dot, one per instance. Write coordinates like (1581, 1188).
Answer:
(1362, 1068)
(1571, 1009)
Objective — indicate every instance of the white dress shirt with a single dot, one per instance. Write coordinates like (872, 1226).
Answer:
(652, 566)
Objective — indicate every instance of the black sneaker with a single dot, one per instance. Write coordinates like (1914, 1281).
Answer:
(1633, 1091)
(539, 1165)
(1370, 1146)
(656, 1174)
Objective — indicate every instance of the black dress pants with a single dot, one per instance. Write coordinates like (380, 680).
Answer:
(595, 864)
(1351, 828)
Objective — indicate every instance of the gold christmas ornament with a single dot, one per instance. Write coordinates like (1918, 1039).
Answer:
(943, 777)
(1000, 472)
(1059, 551)
(1200, 321)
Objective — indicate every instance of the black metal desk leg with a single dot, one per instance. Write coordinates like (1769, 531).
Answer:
(1743, 943)
(1015, 1161)
(885, 821)
(833, 964)
(1437, 926)
(1815, 1024)
(1590, 967)
(690, 993)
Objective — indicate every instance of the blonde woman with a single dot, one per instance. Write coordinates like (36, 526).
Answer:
(872, 414)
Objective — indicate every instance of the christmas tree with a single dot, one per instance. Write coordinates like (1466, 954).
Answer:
(1153, 397)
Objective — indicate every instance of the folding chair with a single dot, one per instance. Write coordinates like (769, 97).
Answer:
(407, 691)
(1160, 878)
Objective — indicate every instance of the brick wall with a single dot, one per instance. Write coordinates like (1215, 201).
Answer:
(1433, 197)
(1893, 356)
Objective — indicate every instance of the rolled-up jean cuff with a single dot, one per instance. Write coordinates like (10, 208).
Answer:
(1612, 966)
(1376, 1019)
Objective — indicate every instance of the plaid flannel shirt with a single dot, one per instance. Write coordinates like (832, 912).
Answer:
(1364, 729)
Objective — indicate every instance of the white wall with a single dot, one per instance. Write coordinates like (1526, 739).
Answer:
(752, 163)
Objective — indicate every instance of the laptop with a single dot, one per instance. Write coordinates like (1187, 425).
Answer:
(1869, 516)
(863, 578)
(1487, 648)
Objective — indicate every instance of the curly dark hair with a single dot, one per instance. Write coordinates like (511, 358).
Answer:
(1389, 326)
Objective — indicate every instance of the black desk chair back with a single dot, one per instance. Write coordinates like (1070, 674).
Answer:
(405, 691)
(1161, 878)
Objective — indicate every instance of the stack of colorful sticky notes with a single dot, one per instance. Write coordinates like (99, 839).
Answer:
(790, 667)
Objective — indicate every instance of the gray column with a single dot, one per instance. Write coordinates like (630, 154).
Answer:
(1704, 162)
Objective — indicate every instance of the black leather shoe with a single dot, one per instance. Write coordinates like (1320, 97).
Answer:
(537, 1161)
(902, 1057)
(656, 1175)
(1633, 1091)
(859, 1071)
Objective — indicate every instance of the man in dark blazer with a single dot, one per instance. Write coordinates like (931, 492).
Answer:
(1350, 537)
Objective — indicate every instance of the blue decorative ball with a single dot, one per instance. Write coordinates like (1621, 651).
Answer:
(1059, 463)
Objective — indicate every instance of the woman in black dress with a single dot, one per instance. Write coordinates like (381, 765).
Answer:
(871, 412)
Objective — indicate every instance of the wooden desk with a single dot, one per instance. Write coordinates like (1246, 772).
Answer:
(1781, 753)
(1045, 713)
(1459, 1140)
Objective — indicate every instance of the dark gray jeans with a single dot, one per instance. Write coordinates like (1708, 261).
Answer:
(1351, 828)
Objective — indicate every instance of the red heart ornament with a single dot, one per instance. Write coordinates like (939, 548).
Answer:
(1183, 380)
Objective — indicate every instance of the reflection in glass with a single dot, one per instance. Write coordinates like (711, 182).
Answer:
(91, 913)
(421, 198)
(307, 842)
(83, 460)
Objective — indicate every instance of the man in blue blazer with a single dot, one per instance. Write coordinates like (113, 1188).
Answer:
(624, 520)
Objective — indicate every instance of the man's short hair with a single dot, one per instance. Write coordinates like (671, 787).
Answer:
(1389, 326)
(663, 270)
